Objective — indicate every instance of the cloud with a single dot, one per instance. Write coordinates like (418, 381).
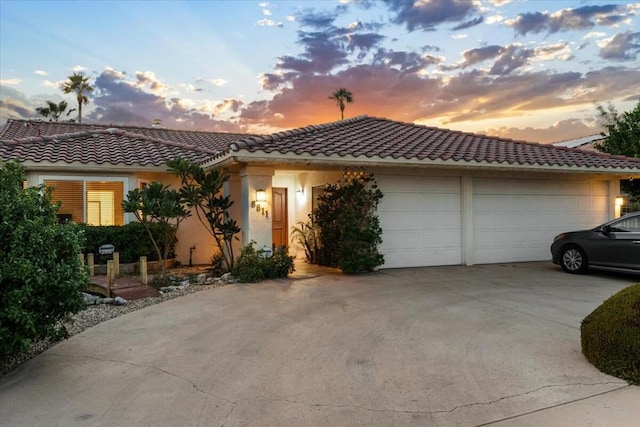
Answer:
(406, 62)
(493, 19)
(584, 17)
(315, 19)
(474, 56)
(427, 14)
(559, 131)
(323, 52)
(41, 72)
(228, 105)
(560, 51)
(469, 24)
(218, 82)
(460, 36)
(123, 100)
(14, 105)
(148, 79)
(79, 68)
(593, 35)
(269, 23)
(621, 47)
(10, 81)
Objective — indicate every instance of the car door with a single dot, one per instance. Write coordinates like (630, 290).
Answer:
(621, 247)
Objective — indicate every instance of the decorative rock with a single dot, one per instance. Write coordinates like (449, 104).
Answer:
(89, 299)
(225, 277)
(105, 301)
(184, 283)
(201, 278)
(210, 280)
(119, 301)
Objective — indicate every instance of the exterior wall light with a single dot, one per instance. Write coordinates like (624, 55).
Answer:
(261, 197)
(619, 201)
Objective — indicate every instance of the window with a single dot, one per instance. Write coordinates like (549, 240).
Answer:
(91, 201)
(631, 225)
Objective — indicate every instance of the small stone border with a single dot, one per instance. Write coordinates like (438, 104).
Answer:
(95, 314)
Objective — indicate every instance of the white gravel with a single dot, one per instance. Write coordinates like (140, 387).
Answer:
(91, 316)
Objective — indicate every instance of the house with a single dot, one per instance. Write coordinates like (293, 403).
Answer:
(449, 197)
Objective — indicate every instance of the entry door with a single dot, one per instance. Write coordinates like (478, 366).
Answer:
(279, 219)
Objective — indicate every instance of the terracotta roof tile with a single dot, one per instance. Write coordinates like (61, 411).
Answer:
(369, 137)
(217, 141)
(101, 146)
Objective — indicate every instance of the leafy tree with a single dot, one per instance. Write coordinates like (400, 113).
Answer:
(54, 111)
(622, 138)
(342, 96)
(78, 84)
(348, 225)
(203, 191)
(622, 131)
(156, 203)
(41, 276)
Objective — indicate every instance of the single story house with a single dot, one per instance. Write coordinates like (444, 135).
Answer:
(450, 197)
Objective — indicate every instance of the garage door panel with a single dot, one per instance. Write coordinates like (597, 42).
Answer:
(420, 218)
(515, 220)
(419, 221)
(407, 184)
(420, 202)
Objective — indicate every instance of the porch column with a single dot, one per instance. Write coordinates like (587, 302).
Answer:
(256, 225)
(233, 188)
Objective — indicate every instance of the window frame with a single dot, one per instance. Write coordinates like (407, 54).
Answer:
(123, 179)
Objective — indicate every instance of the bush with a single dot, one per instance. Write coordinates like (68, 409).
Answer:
(349, 229)
(254, 264)
(41, 275)
(611, 335)
(131, 241)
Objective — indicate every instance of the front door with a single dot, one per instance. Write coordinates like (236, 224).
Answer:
(279, 219)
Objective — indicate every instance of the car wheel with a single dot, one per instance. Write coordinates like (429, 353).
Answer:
(573, 260)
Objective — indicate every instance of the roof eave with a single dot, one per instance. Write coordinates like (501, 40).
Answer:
(90, 167)
(243, 156)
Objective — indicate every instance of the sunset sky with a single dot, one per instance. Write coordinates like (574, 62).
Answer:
(532, 70)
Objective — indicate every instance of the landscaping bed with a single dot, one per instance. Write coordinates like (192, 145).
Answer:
(95, 314)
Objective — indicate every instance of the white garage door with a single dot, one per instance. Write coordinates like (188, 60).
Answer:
(516, 220)
(420, 220)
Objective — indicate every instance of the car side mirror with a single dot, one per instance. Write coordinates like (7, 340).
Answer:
(605, 229)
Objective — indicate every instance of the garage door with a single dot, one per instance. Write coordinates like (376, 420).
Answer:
(516, 220)
(420, 219)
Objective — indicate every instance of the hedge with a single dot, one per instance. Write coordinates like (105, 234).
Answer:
(131, 241)
(611, 335)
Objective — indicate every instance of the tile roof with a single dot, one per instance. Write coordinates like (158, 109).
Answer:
(217, 141)
(361, 138)
(377, 138)
(101, 146)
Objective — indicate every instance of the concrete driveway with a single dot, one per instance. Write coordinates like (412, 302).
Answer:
(468, 346)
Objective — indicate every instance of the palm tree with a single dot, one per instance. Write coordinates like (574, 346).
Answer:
(54, 111)
(78, 83)
(341, 96)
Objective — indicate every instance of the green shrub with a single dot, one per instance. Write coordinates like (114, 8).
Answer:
(349, 229)
(131, 241)
(41, 277)
(254, 264)
(611, 335)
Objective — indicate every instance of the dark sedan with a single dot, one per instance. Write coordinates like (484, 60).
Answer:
(613, 244)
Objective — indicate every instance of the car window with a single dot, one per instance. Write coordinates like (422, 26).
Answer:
(627, 224)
